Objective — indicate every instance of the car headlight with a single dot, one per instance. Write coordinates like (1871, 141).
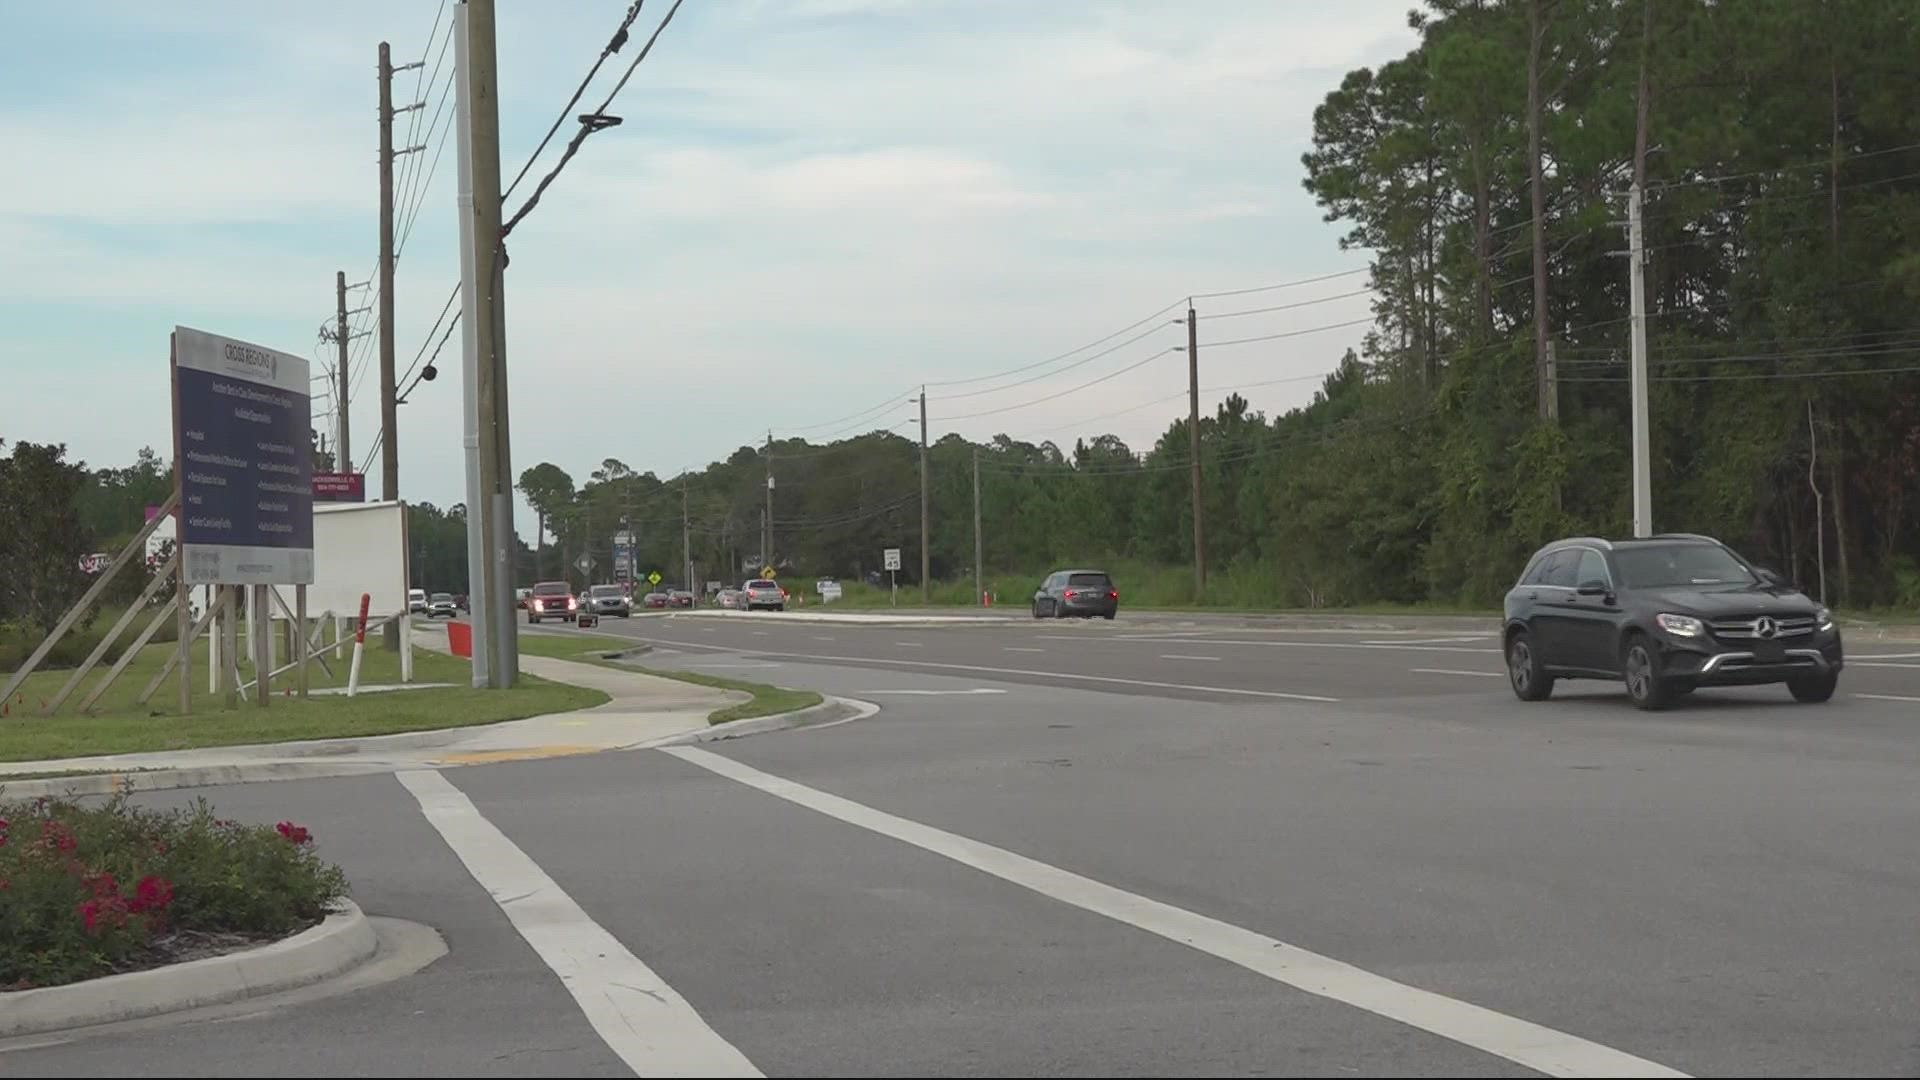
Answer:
(1681, 625)
(1824, 618)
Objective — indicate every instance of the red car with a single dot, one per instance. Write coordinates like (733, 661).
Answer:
(552, 600)
(654, 600)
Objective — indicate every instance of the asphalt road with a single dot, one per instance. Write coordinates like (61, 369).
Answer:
(1136, 848)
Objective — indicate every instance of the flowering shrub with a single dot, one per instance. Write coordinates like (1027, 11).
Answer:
(88, 889)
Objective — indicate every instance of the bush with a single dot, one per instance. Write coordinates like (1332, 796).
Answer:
(18, 641)
(87, 890)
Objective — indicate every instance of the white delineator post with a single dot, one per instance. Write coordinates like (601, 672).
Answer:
(359, 646)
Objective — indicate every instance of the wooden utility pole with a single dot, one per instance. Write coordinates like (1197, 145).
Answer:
(926, 560)
(343, 453)
(389, 407)
(766, 516)
(1193, 451)
(1536, 47)
(686, 542)
(979, 560)
(483, 318)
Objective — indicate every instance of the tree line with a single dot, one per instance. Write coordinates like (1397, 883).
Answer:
(1487, 171)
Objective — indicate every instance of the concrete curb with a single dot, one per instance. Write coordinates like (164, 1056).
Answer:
(832, 710)
(113, 783)
(343, 940)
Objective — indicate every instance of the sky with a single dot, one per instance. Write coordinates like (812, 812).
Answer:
(811, 206)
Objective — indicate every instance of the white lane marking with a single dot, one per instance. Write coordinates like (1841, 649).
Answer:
(1884, 656)
(1279, 644)
(706, 629)
(1020, 648)
(1540, 1048)
(759, 633)
(1456, 671)
(642, 1019)
(1888, 697)
(1851, 662)
(939, 693)
(1234, 691)
(711, 664)
(1184, 656)
(908, 644)
(1433, 640)
(822, 637)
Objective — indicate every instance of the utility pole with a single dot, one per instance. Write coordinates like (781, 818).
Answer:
(979, 561)
(926, 561)
(686, 542)
(389, 408)
(766, 516)
(1193, 451)
(1642, 451)
(343, 450)
(483, 338)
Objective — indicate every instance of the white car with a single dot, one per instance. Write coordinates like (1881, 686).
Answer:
(417, 601)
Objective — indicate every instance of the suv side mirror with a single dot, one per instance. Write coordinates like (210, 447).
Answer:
(1595, 587)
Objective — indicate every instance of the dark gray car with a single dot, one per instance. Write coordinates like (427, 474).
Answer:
(1084, 593)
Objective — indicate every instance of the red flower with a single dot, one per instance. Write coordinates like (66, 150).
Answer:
(55, 836)
(152, 894)
(4, 825)
(90, 911)
(102, 885)
(295, 834)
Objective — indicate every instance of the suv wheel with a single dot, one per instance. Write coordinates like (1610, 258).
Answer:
(1648, 688)
(1525, 672)
(1813, 689)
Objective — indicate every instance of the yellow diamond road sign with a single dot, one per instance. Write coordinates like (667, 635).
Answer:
(653, 578)
(767, 572)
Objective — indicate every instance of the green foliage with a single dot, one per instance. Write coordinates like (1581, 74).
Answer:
(42, 538)
(86, 889)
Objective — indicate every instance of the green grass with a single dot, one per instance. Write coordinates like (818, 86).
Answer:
(766, 700)
(120, 725)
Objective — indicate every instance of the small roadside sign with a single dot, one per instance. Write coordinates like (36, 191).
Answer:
(893, 559)
(585, 563)
(653, 578)
(767, 572)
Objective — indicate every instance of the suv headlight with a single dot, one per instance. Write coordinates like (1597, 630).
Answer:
(1823, 618)
(1681, 625)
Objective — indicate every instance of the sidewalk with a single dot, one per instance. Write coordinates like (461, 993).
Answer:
(643, 709)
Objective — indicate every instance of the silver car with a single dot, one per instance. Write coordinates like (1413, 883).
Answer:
(605, 600)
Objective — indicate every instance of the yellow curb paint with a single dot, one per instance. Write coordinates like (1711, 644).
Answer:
(524, 753)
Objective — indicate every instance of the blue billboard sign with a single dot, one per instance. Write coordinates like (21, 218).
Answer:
(241, 421)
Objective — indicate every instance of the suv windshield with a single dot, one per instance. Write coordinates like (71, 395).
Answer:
(606, 590)
(551, 588)
(1088, 581)
(440, 597)
(761, 585)
(1654, 566)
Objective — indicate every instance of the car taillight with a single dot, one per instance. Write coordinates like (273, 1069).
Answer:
(783, 594)
(1113, 594)
(1069, 594)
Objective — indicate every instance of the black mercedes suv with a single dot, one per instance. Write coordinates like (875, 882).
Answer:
(1665, 614)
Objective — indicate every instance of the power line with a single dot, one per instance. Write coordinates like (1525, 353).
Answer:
(1148, 359)
(1284, 334)
(857, 417)
(1089, 358)
(1748, 376)
(1061, 356)
(612, 46)
(1284, 307)
(1281, 285)
(1757, 173)
(590, 123)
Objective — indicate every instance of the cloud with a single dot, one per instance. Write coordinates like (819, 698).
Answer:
(816, 202)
